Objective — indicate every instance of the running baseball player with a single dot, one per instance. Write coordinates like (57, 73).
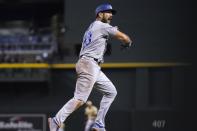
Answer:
(89, 71)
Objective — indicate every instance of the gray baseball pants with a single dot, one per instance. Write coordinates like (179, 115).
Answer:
(89, 74)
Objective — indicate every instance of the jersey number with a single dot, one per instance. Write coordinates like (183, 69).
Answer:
(87, 39)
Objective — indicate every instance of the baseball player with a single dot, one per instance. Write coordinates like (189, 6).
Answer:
(90, 113)
(89, 71)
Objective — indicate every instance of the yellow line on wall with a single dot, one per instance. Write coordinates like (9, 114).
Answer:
(105, 65)
(141, 65)
(24, 65)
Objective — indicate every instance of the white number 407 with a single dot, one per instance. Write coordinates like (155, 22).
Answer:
(158, 123)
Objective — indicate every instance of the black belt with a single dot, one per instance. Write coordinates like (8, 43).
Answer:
(97, 60)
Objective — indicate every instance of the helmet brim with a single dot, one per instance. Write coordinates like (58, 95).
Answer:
(110, 10)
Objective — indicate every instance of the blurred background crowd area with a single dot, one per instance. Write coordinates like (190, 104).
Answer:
(29, 30)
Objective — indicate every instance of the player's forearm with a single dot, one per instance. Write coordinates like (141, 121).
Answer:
(123, 38)
(127, 40)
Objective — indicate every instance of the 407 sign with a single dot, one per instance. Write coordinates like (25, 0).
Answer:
(159, 123)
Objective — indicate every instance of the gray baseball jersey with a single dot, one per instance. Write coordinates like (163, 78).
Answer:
(94, 40)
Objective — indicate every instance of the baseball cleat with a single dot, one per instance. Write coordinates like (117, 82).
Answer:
(52, 125)
(98, 127)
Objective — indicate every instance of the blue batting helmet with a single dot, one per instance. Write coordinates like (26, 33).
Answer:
(105, 7)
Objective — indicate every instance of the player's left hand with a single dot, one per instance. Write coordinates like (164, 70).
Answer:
(125, 46)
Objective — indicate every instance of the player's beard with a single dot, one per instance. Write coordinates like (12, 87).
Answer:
(106, 20)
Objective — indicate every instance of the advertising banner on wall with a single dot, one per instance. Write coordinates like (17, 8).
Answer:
(22, 122)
